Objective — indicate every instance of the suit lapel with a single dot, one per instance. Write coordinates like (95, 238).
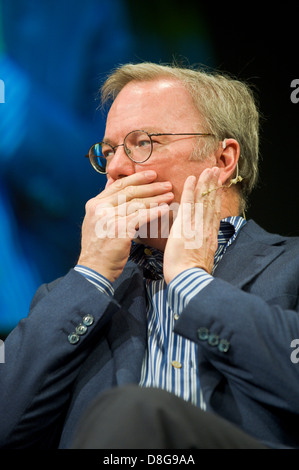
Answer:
(253, 250)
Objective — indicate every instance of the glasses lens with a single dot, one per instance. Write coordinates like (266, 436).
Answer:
(138, 146)
(97, 156)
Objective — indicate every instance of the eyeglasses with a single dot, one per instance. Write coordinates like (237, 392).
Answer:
(138, 146)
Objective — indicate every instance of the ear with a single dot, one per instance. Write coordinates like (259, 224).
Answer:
(227, 159)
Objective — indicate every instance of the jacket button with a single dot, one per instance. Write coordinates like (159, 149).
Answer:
(223, 345)
(73, 338)
(213, 340)
(203, 333)
(88, 320)
(81, 329)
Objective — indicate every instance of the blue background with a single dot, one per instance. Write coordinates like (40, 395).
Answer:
(54, 54)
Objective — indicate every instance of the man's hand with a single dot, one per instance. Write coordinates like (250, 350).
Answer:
(112, 218)
(193, 239)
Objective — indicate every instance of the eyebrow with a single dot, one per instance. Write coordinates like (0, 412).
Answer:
(106, 140)
(148, 129)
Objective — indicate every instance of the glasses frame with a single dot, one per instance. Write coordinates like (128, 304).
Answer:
(150, 135)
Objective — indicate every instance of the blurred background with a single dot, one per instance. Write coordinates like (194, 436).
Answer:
(54, 54)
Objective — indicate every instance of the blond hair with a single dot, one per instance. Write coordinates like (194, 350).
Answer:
(227, 106)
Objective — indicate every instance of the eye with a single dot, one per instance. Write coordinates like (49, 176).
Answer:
(143, 142)
(107, 151)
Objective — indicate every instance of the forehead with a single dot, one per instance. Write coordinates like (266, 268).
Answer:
(163, 102)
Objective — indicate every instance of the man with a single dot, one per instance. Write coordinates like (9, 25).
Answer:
(179, 339)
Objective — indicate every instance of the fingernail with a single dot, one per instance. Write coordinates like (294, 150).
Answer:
(150, 173)
(192, 179)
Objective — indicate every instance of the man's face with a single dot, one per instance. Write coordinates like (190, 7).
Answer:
(159, 106)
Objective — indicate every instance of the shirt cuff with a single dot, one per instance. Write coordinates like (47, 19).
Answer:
(101, 282)
(185, 286)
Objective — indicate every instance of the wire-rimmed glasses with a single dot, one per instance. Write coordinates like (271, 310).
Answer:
(138, 146)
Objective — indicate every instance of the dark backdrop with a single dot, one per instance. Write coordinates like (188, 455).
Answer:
(259, 43)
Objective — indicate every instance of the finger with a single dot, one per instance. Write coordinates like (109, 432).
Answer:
(133, 193)
(148, 190)
(142, 177)
(186, 208)
(137, 223)
(211, 206)
(124, 207)
(146, 203)
(187, 200)
(207, 184)
(188, 190)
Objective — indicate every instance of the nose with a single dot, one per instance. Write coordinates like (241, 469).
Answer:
(120, 165)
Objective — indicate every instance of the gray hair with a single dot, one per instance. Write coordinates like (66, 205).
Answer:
(227, 106)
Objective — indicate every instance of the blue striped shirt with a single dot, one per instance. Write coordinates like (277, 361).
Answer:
(170, 360)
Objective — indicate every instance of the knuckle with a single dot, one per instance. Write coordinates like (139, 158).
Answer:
(130, 191)
(118, 184)
(93, 205)
(89, 205)
(135, 205)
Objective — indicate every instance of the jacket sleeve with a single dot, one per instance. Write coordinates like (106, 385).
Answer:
(246, 335)
(43, 356)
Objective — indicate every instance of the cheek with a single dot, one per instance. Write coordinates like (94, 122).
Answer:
(178, 185)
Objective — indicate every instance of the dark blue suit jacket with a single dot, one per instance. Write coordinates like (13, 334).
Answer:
(47, 383)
